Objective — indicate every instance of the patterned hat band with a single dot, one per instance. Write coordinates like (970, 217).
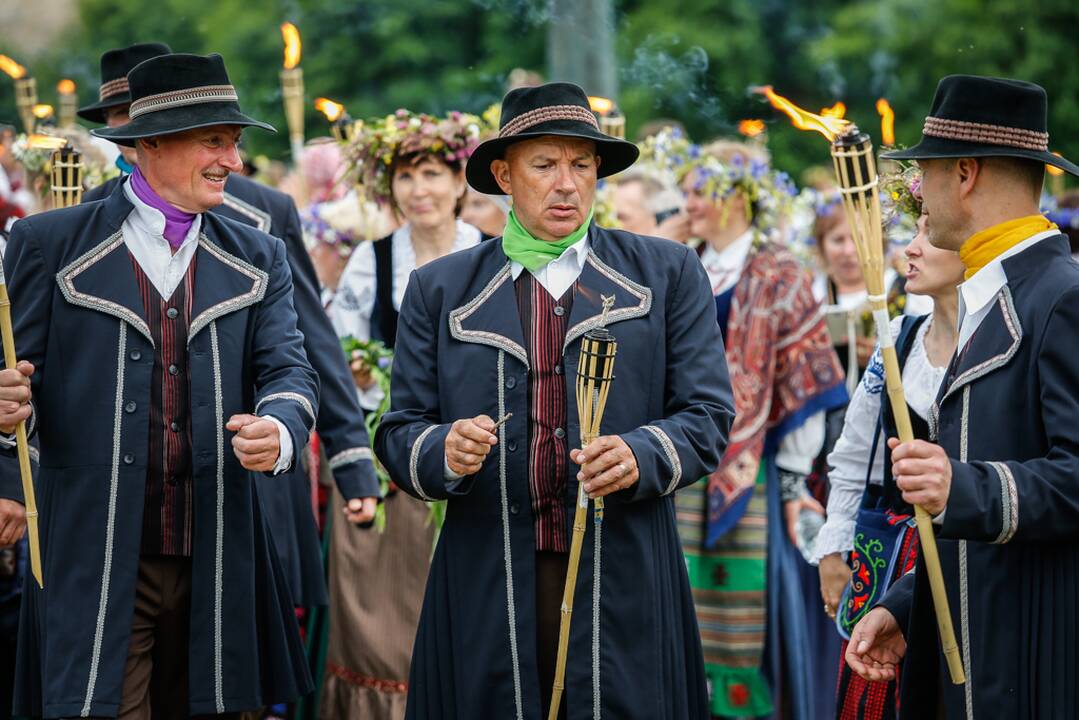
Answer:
(180, 98)
(113, 87)
(985, 133)
(532, 118)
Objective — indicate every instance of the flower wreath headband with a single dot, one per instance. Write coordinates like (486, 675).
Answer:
(771, 192)
(377, 143)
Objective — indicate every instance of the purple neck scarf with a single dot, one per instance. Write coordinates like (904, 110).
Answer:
(177, 222)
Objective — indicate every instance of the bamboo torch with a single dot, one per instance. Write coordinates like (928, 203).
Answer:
(67, 171)
(595, 371)
(43, 115)
(611, 120)
(341, 123)
(292, 89)
(69, 103)
(25, 91)
(856, 171)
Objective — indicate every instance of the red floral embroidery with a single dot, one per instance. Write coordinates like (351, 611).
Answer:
(738, 694)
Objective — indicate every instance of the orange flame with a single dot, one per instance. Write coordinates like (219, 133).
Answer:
(65, 87)
(600, 105)
(291, 36)
(42, 111)
(12, 68)
(45, 142)
(751, 128)
(829, 127)
(887, 122)
(1053, 169)
(839, 110)
(329, 108)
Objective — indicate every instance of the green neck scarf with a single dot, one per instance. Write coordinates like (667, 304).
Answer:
(520, 246)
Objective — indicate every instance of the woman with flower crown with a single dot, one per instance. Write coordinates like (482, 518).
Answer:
(869, 528)
(415, 164)
(758, 605)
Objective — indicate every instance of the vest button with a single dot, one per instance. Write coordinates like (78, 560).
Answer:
(511, 382)
(135, 355)
(558, 370)
(559, 310)
(129, 459)
(130, 407)
(172, 313)
(171, 480)
(559, 433)
(514, 509)
(173, 370)
(174, 426)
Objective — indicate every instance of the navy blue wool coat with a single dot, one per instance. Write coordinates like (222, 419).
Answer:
(1009, 543)
(634, 648)
(78, 318)
(286, 499)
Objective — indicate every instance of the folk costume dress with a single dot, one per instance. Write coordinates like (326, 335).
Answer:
(757, 599)
(861, 456)
(634, 648)
(373, 623)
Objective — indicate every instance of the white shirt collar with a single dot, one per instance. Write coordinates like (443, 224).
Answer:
(983, 286)
(573, 259)
(724, 267)
(151, 221)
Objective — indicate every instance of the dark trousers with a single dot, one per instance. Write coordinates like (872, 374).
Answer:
(550, 586)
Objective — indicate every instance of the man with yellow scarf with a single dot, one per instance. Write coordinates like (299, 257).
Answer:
(1001, 477)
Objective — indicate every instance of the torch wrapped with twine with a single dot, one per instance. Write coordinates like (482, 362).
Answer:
(66, 177)
(595, 371)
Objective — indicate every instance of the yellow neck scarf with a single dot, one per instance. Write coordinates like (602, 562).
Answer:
(983, 247)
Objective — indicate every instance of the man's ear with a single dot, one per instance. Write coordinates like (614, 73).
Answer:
(968, 171)
(501, 171)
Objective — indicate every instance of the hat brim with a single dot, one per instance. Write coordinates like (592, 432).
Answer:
(933, 147)
(167, 122)
(615, 154)
(96, 111)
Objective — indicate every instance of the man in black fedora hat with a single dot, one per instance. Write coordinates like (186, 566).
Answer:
(286, 500)
(1001, 475)
(495, 332)
(160, 369)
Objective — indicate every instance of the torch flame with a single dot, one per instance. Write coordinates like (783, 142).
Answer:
(12, 68)
(887, 122)
(329, 108)
(839, 110)
(45, 142)
(65, 87)
(600, 105)
(751, 128)
(42, 111)
(1053, 169)
(829, 127)
(291, 36)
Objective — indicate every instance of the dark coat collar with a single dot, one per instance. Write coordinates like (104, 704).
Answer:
(103, 279)
(486, 318)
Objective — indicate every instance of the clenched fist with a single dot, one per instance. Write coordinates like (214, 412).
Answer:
(257, 443)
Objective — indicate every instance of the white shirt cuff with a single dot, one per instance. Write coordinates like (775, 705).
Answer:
(284, 460)
(450, 474)
(939, 519)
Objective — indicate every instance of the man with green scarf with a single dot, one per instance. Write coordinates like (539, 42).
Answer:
(484, 415)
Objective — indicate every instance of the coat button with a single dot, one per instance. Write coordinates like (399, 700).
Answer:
(559, 433)
(135, 355)
(511, 382)
(130, 407)
(514, 509)
(512, 446)
(173, 370)
(172, 313)
(559, 310)
(129, 459)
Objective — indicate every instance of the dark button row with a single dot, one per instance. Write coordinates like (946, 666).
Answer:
(172, 313)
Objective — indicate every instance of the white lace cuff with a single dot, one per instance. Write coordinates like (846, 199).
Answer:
(835, 536)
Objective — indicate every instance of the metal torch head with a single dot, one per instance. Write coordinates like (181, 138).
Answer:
(856, 172)
(67, 170)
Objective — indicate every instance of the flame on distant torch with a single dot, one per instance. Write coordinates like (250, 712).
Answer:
(829, 127)
(65, 87)
(1053, 169)
(329, 108)
(839, 110)
(887, 122)
(45, 142)
(600, 105)
(12, 68)
(291, 36)
(751, 128)
(42, 111)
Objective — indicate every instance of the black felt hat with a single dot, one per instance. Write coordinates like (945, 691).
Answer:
(975, 116)
(553, 109)
(177, 92)
(115, 65)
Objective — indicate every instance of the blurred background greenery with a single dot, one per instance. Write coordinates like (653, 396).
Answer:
(693, 60)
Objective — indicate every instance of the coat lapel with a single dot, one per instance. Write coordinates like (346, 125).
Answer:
(223, 284)
(237, 209)
(994, 343)
(485, 318)
(598, 281)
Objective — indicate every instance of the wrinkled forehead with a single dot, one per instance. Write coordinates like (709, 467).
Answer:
(552, 146)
